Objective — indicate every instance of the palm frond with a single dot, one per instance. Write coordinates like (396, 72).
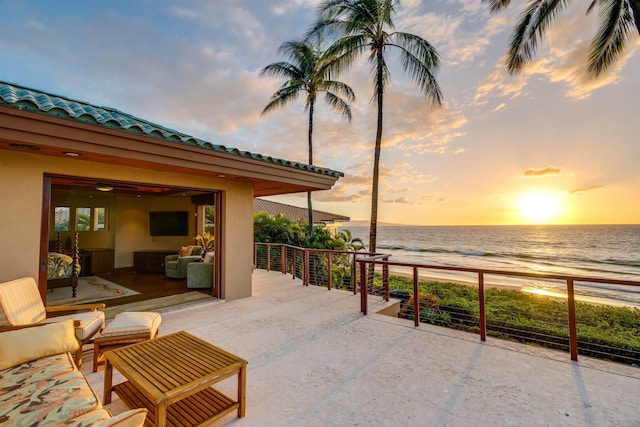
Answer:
(284, 70)
(341, 89)
(338, 104)
(532, 25)
(284, 96)
(420, 60)
(496, 5)
(615, 30)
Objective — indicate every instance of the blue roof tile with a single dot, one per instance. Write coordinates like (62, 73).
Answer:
(23, 98)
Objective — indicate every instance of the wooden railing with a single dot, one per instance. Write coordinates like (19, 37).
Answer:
(362, 265)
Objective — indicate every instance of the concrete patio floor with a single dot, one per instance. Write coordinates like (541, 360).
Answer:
(314, 360)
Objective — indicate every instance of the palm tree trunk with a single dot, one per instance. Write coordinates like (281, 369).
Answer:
(309, 205)
(373, 229)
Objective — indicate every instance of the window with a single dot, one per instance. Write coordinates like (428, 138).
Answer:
(209, 219)
(100, 219)
(61, 218)
(83, 219)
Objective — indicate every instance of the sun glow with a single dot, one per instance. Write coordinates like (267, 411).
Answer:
(540, 207)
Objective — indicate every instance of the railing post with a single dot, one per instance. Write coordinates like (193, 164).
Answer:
(354, 274)
(328, 270)
(293, 263)
(255, 254)
(573, 331)
(283, 261)
(416, 298)
(483, 320)
(306, 268)
(268, 257)
(385, 280)
(363, 288)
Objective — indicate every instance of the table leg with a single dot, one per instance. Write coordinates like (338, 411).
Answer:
(242, 391)
(108, 378)
(161, 414)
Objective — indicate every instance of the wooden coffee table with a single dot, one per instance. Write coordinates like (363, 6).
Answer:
(172, 376)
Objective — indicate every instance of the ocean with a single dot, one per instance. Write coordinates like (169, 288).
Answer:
(603, 251)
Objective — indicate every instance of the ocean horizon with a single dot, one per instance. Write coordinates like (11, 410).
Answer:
(602, 251)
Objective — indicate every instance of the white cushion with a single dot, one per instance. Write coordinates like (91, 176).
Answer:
(133, 323)
(25, 345)
(208, 257)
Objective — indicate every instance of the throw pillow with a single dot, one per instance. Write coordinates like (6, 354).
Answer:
(185, 251)
(208, 257)
(25, 345)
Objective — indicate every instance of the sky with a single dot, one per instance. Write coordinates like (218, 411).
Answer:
(549, 145)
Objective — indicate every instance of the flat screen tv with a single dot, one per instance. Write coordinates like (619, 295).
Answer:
(169, 223)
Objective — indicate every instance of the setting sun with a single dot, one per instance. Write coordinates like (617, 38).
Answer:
(540, 207)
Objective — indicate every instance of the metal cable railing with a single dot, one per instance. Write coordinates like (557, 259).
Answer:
(549, 322)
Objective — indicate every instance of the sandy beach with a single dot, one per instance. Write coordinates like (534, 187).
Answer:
(492, 284)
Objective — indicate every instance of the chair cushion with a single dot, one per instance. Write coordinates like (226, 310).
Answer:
(25, 345)
(21, 303)
(34, 371)
(92, 321)
(132, 323)
(50, 401)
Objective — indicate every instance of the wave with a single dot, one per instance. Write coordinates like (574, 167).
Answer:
(538, 258)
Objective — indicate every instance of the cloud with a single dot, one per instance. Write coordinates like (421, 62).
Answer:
(580, 191)
(562, 57)
(404, 200)
(549, 170)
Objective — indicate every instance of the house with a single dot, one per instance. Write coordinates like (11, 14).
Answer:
(295, 213)
(74, 168)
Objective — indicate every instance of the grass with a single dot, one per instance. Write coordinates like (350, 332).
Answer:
(603, 331)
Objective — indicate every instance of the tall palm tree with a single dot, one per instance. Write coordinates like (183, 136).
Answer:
(310, 71)
(618, 18)
(367, 26)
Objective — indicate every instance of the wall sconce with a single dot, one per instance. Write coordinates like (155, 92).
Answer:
(104, 187)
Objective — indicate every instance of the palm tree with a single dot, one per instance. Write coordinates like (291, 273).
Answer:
(351, 243)
(310, 71)
(617, 21)
(367, 26)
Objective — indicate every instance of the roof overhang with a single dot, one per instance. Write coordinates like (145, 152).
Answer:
(39, 133)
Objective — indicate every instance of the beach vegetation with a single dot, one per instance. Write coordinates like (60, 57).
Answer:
(310, 71)
(366, 27)
(280, 229)
(619, 20)
(603, 331)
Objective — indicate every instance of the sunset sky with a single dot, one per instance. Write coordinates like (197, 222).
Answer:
(550, 145)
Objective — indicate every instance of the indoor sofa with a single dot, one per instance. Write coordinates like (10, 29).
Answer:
(175, 266)
(40, 384)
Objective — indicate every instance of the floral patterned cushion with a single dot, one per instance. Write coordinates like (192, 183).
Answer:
(49, 401)
(59, 266)
(38, 370)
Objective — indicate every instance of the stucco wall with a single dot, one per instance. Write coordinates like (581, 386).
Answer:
(21, 178)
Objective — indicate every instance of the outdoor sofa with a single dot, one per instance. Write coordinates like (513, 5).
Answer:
(40, 384)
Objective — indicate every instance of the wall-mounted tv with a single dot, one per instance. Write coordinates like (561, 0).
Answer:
(169, 223)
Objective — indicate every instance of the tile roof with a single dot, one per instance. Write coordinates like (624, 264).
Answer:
(295, 213)
(27, 99)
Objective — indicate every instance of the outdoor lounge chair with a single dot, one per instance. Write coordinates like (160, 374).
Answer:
(21, 305)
